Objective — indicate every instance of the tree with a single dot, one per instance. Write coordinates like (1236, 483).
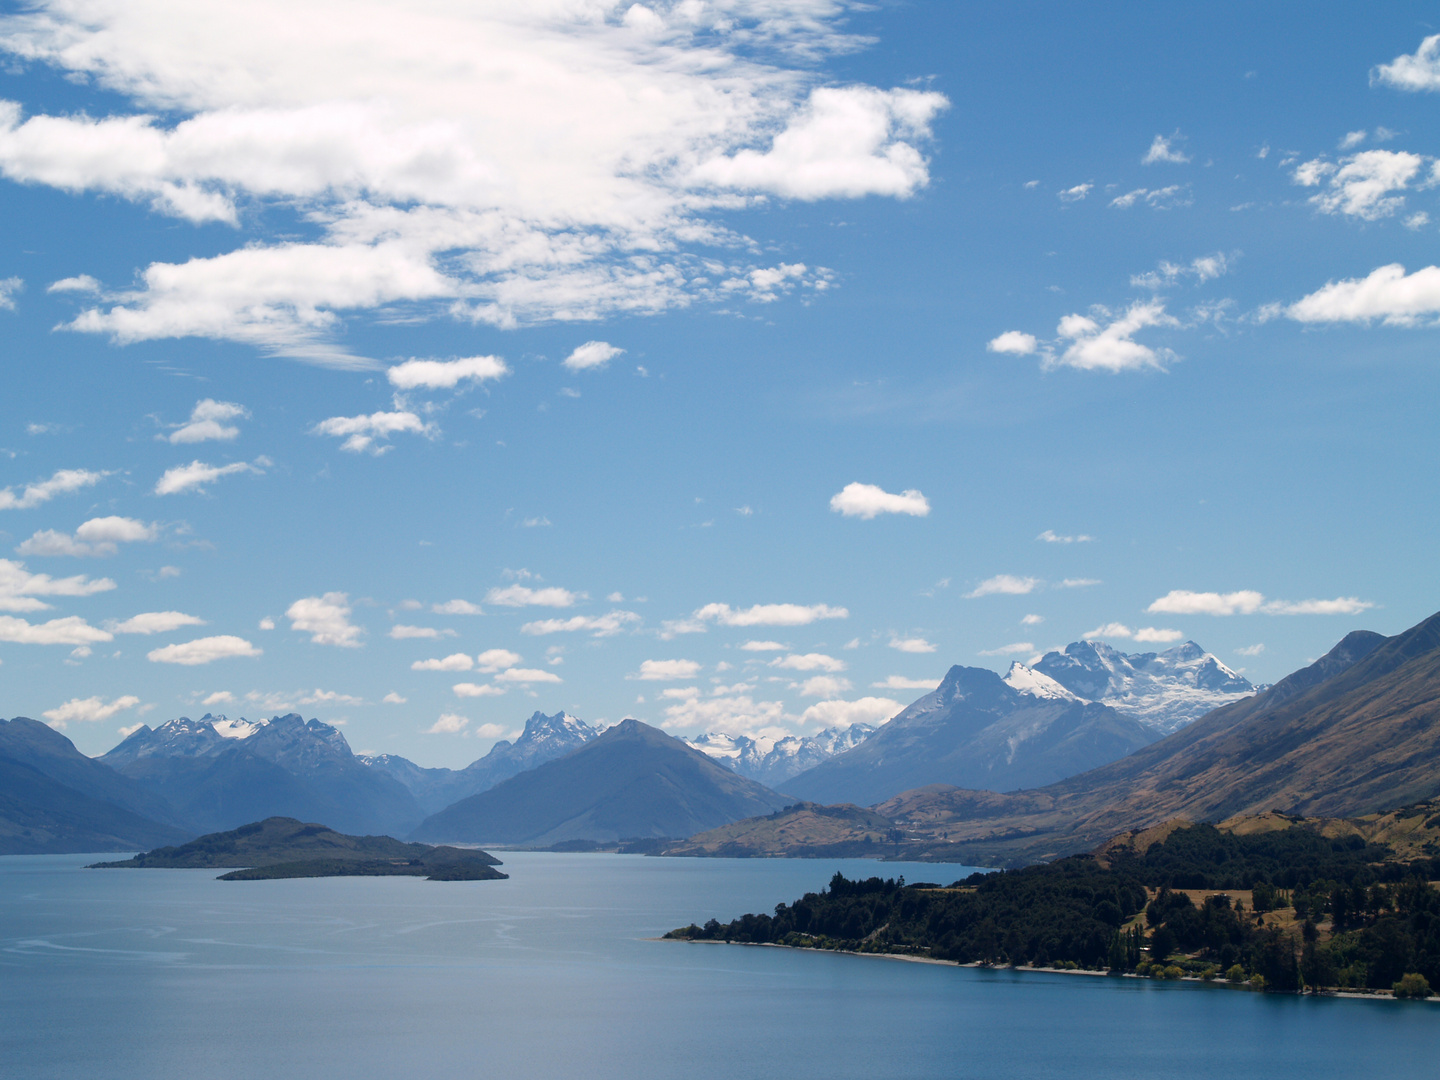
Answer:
(1412, 985)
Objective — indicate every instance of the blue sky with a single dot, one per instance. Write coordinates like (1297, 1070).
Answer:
(597, 341)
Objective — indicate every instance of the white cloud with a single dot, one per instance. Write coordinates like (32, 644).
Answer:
(445, 374)
(71, 630)
(1032, 620)
(912, 645)
(586, 188)
(267, 623)
(1112, 347)
(448, 724)
(1109, 630)
(732, 713)
(1387, 294)
(522, 596)
(666, 670)
(1419, 70)
(97, 537)
(454, 662)
(393, 698)
(763, 646)
(1156, 635)
(203, 650)
(824, 686)
(1251, 650)
(219, 697)
(8, 288)
(1166, 198)
(456, 607)
(210, 419)
(1050, 536)
(1014, 343)
(809, 662)
(1203, 268)
(600, 625)
(89, 710)
(330, 697)
(326, 619)
(198, 474)
(62, 482)
(1020, 647)
(769, 614)
(372, 433)
(1076, 193)
(1341, 605)
(1077, 583)
(1417, 220)
(154, 622)
(1353, 139)
(401, 632)
(20, 590)
(868, 501)
(473, 690)
(1004, 585)
(1249, 602)
(900, 682)
(843, 714)
(526, 676)
(1163, 150)
(591, 355)
(493, 660)
(1148, 634)
(1362, 185)
(82, 283)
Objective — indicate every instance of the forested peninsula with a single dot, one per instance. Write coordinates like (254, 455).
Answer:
(1283, 908)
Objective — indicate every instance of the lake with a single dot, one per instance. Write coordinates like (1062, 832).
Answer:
(159, 974)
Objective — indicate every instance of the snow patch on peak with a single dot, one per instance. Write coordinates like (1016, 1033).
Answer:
(1026, 680)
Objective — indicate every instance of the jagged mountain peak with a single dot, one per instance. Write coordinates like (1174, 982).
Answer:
(1026, 680)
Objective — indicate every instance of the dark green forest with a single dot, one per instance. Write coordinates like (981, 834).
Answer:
(1323, 915)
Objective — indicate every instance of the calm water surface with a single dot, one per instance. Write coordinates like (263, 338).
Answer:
(160, 974)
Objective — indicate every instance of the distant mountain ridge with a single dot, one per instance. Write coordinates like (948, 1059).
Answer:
(773, 761)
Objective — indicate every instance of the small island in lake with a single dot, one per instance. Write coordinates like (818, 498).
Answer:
(281, 847)
(1271, 902)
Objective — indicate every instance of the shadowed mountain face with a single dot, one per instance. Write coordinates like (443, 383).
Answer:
(54, 799)
(1356, 732)
(544, 738)
(977, 730)
(219, 774)
(631, 781)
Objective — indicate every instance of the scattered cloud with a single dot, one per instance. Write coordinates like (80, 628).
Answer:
(267, 623)
(526, 676)
(198, 475)
(89, 710)
(1202, 269)
(1249, 602)
(456, 607)
(1149, 634)
(809, 662)
(911, 645)
(1076, 193)
(901, 682)
(372, 433)
(444, 374)
(1014, 343)
(1111, 347)
(454, 662)
(1166, 198)
(448, 724)
(71, 630)
(63, 482)
(1078, 583)
(330, 697)
(734, 714)
(203, 650)
(1387, 294)
(666, 670)
(1251, 650)
(824, 686)
(493, 660)
(522, 596)
(1004, 585)
(326, 619)
(763, 646)
(154, 622)
(473, 690)
(393, 698)
(96, 538)
(219, 697)
(591, 356)
(769, 614)
(1164, 151)
(1415, 71)
(600, 625)
(1050, 536)
(844, 714)
(81, 283)
(868, 501)
(20, 590)
(401, 632)
(1155, 635)
(9, 287)
(1020, 647)
(210, 419)
(1362, 185)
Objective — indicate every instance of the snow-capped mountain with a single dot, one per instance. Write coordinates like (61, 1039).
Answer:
(773, 761)
(1164, 691)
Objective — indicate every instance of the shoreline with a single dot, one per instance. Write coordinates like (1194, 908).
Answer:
(1376, 995)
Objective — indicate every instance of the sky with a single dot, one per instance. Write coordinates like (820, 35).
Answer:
(736, 365)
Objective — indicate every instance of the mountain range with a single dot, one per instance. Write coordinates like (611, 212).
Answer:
(774, 761)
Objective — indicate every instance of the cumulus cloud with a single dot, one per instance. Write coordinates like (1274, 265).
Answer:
(372, 433)
(1004, 585)
(526, 676)
(1203, 268)
(20, 590)
(1251, 650)
(591, 355)
(868, 501)
(1021, 647)
(1164, 151)
(448, 724)
(1050, 536)
(769, 614)
(823, 686)
(1032, 620)
(62, 482)
(197, 475)
(1111, 346)
(1014, 343)
(593, 185)
(445, 374)
(1146, 634)
(9, 287)
(666, 670)
(493, 660)
(454, 662)
(844, 714)
(456, 607)
(94, 538)
(1249, 602)
(522, 596)
(809, 662)
(600, 625)
(326, 619)
(1362, 185)
(393, 698)
(473, 690)
(1166, 198)
(763, 646)
(912, 644)
(154, 622)
(203, 650)
(210, 419)
(1387, 294)
(1076, 193)
(900, 682)
(71, 630)
(89, 710)
(401, 632)
(1419, 70)
(734, 713)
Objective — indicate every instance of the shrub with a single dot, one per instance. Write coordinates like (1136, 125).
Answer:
(1257, 981)
(1172, 972)
(1236, 974)
(1143, 968)
(1412, 985)
(1208, 972)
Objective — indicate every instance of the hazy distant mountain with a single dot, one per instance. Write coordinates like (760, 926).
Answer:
(544, 738)
(220, 773)
(1164, 691)
(774, 761)
(54, 799)
(631, 781)
(977, 730)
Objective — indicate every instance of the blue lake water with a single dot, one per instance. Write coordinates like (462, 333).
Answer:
(160, 974)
